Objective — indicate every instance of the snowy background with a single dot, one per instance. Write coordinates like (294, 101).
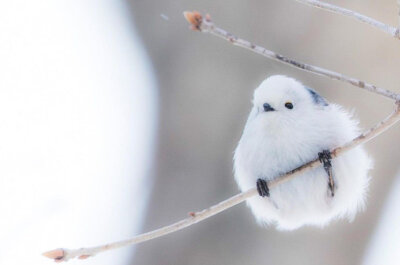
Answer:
(78, 112)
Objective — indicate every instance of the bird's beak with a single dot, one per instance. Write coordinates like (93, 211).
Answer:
(268, 107)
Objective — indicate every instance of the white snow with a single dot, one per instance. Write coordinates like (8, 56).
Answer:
(78, 108)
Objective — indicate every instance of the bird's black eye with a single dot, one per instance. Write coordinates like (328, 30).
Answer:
(289, 105)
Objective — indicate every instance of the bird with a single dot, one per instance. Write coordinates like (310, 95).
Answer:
(289, 125)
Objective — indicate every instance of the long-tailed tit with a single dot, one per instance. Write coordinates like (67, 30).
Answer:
(288, 126)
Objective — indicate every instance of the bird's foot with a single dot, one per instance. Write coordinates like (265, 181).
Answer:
(262, 188)
(325, 158)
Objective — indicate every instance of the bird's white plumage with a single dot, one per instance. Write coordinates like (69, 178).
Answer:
(276, 142)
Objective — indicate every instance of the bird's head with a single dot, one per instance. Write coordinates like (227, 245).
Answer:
(284, 99)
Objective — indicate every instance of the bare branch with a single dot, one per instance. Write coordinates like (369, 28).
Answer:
(206, 25)
(392, 31)
(63, 254)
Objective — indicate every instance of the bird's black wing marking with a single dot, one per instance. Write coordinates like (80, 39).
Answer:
(318, 99)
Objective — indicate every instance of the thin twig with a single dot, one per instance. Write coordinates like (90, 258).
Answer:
(206, 25)
(63, 254)
(392, 31)
(398, 29)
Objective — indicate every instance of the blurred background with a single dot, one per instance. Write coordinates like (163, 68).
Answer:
(117, 119)
(205, 87)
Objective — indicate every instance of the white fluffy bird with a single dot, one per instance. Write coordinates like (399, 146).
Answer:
(290, 125)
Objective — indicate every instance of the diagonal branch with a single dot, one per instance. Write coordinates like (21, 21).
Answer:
(206, 25)
(195, 19)
(392, 31)
(64, 254)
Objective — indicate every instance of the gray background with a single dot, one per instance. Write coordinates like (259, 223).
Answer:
(206, 85)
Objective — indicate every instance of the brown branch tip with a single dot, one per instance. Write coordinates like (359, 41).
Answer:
(58, 255)
(195, 19)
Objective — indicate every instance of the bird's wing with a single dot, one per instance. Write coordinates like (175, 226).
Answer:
(318, 99)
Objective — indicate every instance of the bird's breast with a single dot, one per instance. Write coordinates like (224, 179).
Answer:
(266, 153)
